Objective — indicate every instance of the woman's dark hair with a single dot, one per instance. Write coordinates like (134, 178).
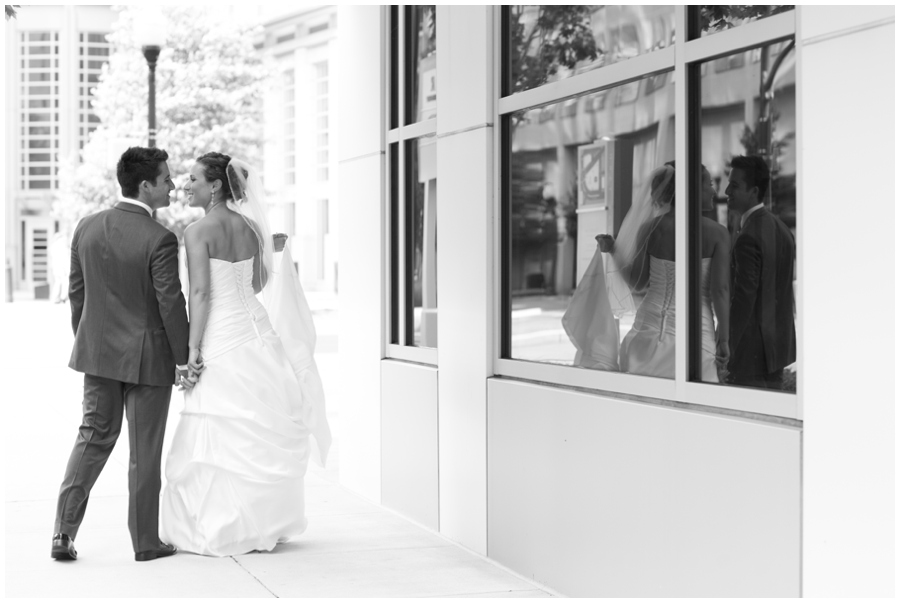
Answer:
(660, 195)
(136, 165)
(214, 167)
(756, 172)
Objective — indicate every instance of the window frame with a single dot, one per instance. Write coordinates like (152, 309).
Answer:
(680, 57)
(397, 300)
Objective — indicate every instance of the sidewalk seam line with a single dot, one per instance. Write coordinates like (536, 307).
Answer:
(252, 575)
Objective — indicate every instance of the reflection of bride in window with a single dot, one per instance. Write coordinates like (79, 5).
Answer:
(642, 264)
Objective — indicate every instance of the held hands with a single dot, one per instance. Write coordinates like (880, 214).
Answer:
(188, 378)
(723, 353)
(278, 240)
(605, 242)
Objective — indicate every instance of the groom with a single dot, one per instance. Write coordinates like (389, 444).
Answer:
(762, 335)
(131, 328)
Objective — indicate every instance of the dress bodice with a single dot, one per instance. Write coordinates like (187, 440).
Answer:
(235, 314)
(659, 302)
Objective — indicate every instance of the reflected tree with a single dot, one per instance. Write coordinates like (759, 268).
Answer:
(545, 38)
(716, 17)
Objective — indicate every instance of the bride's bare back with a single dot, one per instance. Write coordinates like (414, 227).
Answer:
(228, 237)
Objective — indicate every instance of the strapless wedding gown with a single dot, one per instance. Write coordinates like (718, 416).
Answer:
(649, 347)
(240, 452)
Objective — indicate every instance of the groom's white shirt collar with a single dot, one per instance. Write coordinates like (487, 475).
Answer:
(146, 207)
(748, 212)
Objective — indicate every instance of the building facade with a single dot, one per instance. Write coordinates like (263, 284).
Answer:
(299, 164)
(471, 410)
(54, 56)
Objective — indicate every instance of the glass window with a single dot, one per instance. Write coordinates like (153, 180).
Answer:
(714, 18)
(553, 42)
(421, 73)
(576, 170)
(747, 180)
(412, 179)
(421, 241)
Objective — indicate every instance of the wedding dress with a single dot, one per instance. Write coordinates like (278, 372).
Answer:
(239, 454)
(234, 473)
(649, 347)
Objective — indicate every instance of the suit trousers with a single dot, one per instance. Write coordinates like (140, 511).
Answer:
(146, 408)
(774, 380)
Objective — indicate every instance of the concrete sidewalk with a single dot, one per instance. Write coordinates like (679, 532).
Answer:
(352, 548)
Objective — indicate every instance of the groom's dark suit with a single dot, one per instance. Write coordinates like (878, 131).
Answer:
(762, 334)
(131, 328)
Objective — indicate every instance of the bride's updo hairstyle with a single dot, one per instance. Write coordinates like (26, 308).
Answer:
(214, 168)
(662, 185)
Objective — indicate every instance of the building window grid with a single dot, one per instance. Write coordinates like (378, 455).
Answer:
(695, 52)
(290, 141)
(39, 115)
(321, 120)
(402, 134)
(90, 59)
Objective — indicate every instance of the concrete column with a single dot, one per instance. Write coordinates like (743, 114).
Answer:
(465, 161)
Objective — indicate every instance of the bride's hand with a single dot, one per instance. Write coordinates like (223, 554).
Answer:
(278, 240)
(723, 353)
(195, 363)
(605, 242)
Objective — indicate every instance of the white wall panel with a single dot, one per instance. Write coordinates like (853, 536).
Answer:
(359, 82)
(465, 84)
(604, 498)
(847, 296)
(464, 331)
(824, 20)
(360, 330)
(409, 440)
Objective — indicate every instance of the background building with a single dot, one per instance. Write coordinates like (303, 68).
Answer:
(54, 55)
(299, 149)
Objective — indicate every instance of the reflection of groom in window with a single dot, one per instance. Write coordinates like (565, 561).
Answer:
(763, 339)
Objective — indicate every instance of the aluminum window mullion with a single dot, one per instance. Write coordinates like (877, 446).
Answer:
(740, 38)
(617, 73)
(682, 357)
(417, 130)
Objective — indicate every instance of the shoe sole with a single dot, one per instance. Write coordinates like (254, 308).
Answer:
(151, 555)
(63, 555)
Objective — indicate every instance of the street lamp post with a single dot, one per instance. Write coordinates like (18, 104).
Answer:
(151, 53)
(150, 34)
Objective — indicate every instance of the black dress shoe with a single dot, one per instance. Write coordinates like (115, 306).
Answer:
(63, 548)
(164, 550)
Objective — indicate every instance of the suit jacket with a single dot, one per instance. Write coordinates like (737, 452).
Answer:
(128, 312)
(762, 335)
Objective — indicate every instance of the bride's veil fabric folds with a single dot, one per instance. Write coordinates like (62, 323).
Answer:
(607, 290)
(284, 301)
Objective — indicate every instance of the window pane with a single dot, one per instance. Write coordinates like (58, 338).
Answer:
(750, 111)
(421, 242)
(421, 66)
(396, 271)
(714, 18)
(577, 168)
(553, 42)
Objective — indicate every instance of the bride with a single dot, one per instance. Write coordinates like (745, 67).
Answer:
(239, 454)
(641, 267)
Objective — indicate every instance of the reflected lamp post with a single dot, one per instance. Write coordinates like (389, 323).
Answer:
(151, 35)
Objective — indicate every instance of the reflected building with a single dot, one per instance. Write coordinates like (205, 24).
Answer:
(54, 56)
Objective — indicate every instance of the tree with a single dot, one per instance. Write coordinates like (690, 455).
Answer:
(11, 10)
(561, 36)
(209, 87)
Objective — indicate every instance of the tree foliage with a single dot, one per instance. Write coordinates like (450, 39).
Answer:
(209, 87)
(561, 36)
(717, 17)
(11, 10)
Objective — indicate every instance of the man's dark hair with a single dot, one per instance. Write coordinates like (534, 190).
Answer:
(136, 165)
(755, 170)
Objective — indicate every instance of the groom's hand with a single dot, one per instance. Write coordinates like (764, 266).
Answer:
(183, 378)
